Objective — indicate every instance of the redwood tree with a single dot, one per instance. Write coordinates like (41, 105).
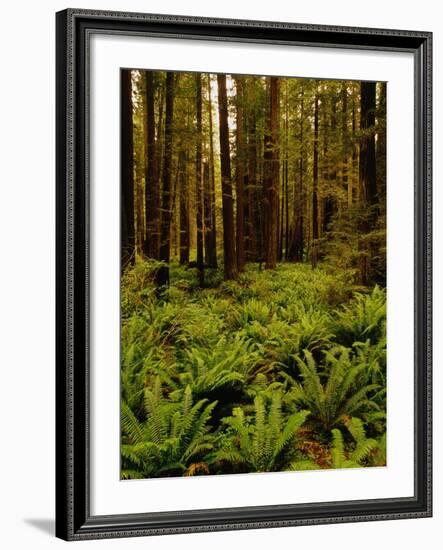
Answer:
(127, 171)
(367, 175)
(212, 230)
(162, 277)
(152, 195)
(230, 260)
(273, 180)
(240, 177)
(314, 245)
(198, 178)
(184, 209)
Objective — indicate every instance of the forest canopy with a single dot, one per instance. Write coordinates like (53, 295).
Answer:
(253, 256)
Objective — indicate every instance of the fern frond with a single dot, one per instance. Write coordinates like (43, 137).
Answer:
(130, 425)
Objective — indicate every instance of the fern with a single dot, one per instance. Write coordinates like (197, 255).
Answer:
(172, 438)
(219, 379)
(363, 319)
(363, 447)
(264, 442)
(227, 365)
(339, 390)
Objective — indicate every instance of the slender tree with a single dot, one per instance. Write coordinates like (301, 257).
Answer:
(207, 214)
(212, 233)
(152, 195)
(314, 245)
(253, 227)
(286, 171)
(329, 171)
(367, 175)
(347, 182)
(139, 161)
(184, 209)
(127, 170)
(295, 251)
(230, 260)
(162, 277)
(240, 177)
(273, 190)
(381, 141)
(198, 178)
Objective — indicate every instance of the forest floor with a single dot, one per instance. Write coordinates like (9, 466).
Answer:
(277, 370)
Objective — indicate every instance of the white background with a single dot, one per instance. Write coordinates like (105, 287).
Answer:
(27, 274)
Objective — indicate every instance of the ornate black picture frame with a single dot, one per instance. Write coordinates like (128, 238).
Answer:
(74, 520)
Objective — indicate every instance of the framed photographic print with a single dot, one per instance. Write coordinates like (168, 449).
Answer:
(243, 274)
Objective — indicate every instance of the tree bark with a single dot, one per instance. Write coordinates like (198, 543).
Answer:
(355, 189)
(346, 181)
(152, 195)
(240, 177)
(273, 190)
(314, 246)
(381, 143)
(207, 214)
(230, 260)
(367, 175)
(286, 173)
(198, 179)
(253, 227)
(296, 246)
(162, 277)
(330, 173)
(212, 234)
(127, 171)
(184, 210)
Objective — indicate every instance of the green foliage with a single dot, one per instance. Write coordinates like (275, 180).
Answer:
(336, 389)
(206, 370)
(171, 440)
(263, 442)
(363, 319)
(364, 451)
(136, 286)
(219, 379)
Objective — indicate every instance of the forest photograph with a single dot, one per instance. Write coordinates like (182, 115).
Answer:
(253, 274)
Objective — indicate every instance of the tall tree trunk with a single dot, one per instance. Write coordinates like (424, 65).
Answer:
(240, 177)
(273, 189)
(198, 179)
(159, 150)
(330, 172)
(355, 188)
(140, 202)
(266, 176)
(281, 218)
(253, 227)
(230, 259)
(286, 172)
(301, 193)
(152, 195)
(207, 214)
(381, 143)
(212, 236)
(297, 238)
(367, 175)
(346, 181)
(184, 210)
(314, 246)
(162, 277)
(127, 171)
